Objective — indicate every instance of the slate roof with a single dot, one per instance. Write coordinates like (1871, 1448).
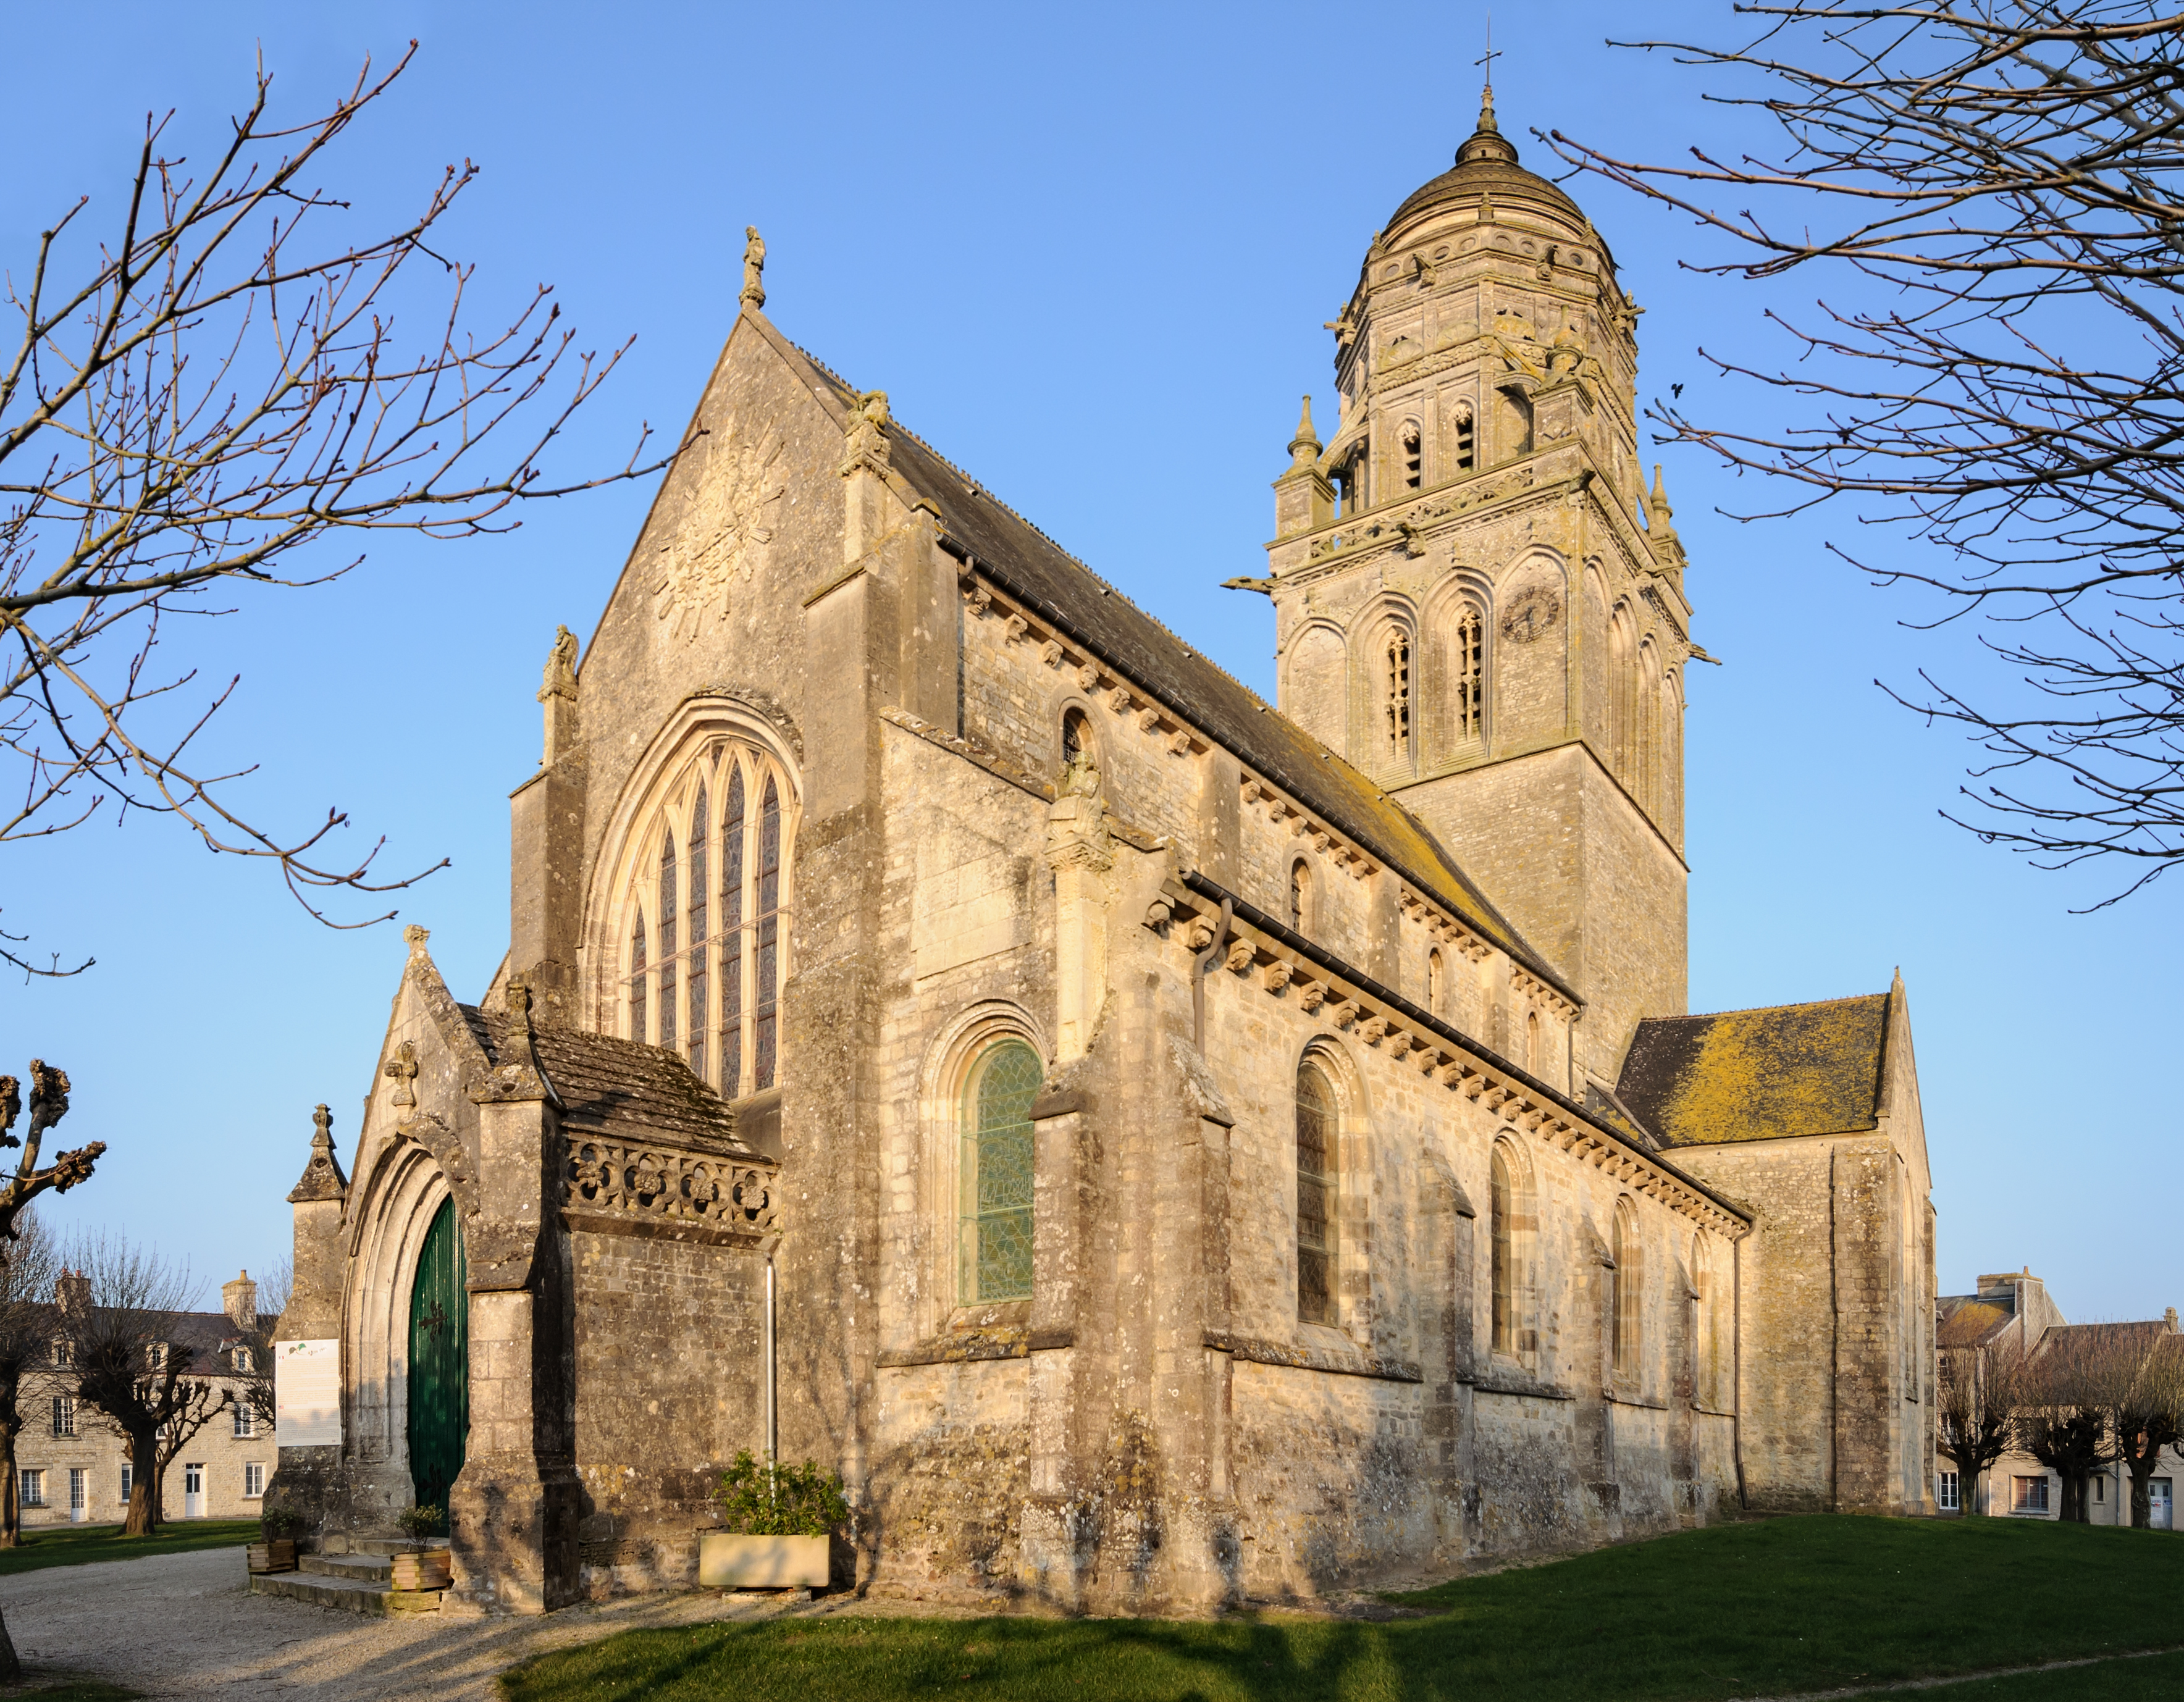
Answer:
(1030, 567)
(614, 1087)
(1758, 1075)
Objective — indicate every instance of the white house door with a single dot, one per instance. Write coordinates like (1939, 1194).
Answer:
(194, 1505)
(76, 1510)
(2161, 1511)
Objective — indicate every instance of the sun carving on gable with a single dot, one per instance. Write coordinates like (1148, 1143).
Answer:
(723, 536)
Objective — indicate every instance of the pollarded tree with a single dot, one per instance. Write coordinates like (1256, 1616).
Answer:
(1980, 1396)
(225, 380)
(1991, 190)
(119, 1310)
(26, 1346)
(2133, 1376)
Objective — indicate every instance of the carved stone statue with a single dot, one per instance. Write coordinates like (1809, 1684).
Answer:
(560, 667)
(753, 290)
(1080, 777)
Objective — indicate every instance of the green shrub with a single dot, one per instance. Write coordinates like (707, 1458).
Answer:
(419, 1524)
(760, 1500)
(281, 1524)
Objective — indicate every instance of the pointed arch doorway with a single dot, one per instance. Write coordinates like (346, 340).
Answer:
(439, 1361)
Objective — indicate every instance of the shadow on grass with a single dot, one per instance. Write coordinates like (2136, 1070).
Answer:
(1763, 1609)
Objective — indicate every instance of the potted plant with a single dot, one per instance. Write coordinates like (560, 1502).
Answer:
(777, 1528)
(422, 1569)
(278, 1528)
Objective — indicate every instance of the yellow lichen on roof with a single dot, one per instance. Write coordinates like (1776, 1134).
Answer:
(1964, 1327)
(1758, 1075)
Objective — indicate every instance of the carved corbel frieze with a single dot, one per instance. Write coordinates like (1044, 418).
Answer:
(1051, 653)
(1088, 676)
(1179, 745)
(1312, 995)
(979, 601)
(1148, 719)
(1240, 955)
(1160, 912)
(1279, 974)
(1014, 628)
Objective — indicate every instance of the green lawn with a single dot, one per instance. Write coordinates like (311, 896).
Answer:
(77, 1545)
(1753, 1610)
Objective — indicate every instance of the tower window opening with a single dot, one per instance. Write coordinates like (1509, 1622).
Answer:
(1465, 453)
(1470, 673)
(1413, 456)
(1396, 694)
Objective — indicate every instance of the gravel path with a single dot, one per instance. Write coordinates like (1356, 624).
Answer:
(185, 1625)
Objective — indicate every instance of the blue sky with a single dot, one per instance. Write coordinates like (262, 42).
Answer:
(1088, 254)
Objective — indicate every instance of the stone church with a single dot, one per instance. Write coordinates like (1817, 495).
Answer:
(1164, 1149)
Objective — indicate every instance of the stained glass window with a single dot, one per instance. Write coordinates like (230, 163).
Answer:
(768, 948)
(637, 978)
(731, 938)
(1316, 1118)
(995, 1240)
(699, 982)
(667, 941)
(1505, 1307)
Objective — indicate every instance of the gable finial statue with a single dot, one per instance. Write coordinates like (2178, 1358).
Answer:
(560, 667)
(754, 267)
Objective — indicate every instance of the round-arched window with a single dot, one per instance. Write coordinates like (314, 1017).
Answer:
(993, 1241)
(1317, 1114)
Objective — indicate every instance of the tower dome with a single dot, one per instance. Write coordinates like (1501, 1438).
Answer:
(1486, 164)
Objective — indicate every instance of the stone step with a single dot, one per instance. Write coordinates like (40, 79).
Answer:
(385, 1545)
(372, 1568)
(353, 1595)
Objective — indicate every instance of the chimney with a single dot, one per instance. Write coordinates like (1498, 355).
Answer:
(239, 1299)
(2169, 1318)
(73, 1292)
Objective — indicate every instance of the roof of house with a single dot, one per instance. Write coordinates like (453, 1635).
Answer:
(1969, 1321)
(1758, 1075)
(615, 1087)
(1032, 568)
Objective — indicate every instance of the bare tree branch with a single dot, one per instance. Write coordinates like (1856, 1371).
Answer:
(219, 388)
(1995, 185)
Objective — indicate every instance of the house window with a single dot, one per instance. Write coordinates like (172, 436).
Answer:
(155, 1355)
(2100, 1488)
(636, 978)
(246, 1419)
(698, 982)
(1946, 1491)
(1469, 675)
(77, 1492)
(243, 1361)
(1316, 1119)
(33, 1486)
(253, 1480)
(64, 1415)
(1395, 693)
(995, 1231)
(128, 1481)
(1626, 1293)
(62, 1356)
(2029, 1494)
(667, 947)
(1413, 456)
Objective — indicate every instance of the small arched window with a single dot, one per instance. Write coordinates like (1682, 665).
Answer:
(1301, 915)
(1076, 738)
(1467, 671)
(1627, 1291)
(1436, 982)
(699, 982)
(1532, 1041)
(1396, 694)
(995, 1239)
(636, 978)
(1316, 1122)
(667, 941)
(1413, 442)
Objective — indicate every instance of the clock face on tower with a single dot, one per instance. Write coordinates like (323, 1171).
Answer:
(1531, 614)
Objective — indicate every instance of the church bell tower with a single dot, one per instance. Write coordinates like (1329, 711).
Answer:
(1477, 599)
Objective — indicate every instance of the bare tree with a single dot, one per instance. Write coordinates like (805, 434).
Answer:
(2063, 1427)
(1980, 1396)
(2134, 1378)
(119, 1310)
(26, 1343)
(255, 1373)
(221, 384)
(1994, 184)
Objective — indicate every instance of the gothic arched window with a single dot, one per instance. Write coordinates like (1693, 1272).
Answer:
(1509, 1196)
(698, 982)
(1627, 1297)
(733, 827)
(1395, 695)
(1467, 672)
(994, 1238)
(1413, 443)
(667, 877)
(1465, 438)
(637, 978)
(1317, 1116)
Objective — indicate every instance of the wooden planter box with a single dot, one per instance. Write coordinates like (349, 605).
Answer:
(429, 1571)
(273, 1557)
(730, 1562)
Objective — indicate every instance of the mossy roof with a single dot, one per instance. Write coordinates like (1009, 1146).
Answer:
(1030, 567)
(1967, 1322)
(1758, 1075)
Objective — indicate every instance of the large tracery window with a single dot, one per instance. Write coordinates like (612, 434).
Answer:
(1316, 1116)
(994, 1241)
(704, 976)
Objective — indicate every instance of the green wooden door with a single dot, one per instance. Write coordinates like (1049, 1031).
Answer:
(440, 1362)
